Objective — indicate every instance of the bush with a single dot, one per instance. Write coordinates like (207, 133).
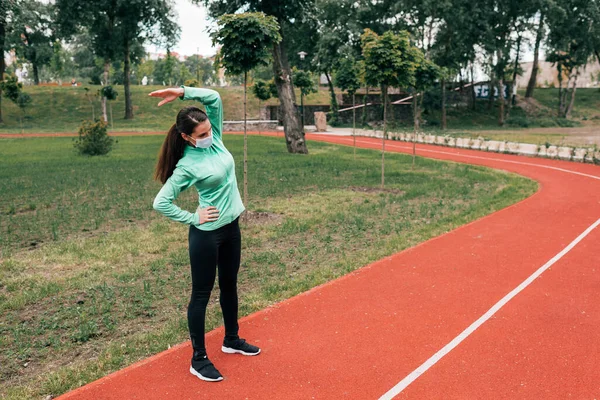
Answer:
(192, 83)
(565, 123)
(522, 122)
(93, 139)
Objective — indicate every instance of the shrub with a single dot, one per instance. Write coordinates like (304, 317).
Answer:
(523, 122)
(93, 139)
(566, 123)
(192, 83)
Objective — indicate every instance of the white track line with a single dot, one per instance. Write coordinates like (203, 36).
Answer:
(483, 158)
(463, 335)
(410, 378)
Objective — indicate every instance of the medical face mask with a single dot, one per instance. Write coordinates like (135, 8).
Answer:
(204, 143)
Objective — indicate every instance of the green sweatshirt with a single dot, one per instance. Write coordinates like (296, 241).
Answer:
(211, 171)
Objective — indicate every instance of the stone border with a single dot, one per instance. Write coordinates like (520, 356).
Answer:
(579, 154)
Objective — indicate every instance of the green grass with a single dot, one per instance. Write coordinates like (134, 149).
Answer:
(587, 102)
(61, 109)
(108, 282)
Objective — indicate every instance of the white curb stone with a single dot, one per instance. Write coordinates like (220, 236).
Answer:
(452, 142)
(462, 142)
(579, 154)
(565, 153)
(542, 151)
(512, 147)
(589, 157)
(430, 139)
(493, 145)
(420, 138)
(440, 140)
(528, 149)
(476, 144)
(552, 151)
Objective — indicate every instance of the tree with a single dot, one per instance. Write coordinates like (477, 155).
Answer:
(540, 33)
(388, 63)
(32, 35)
(110, 94)
(426, 74)
(6, 15)
(574, 35)
(13, 90)
(262, 92)
(120, 27)
(305, 81)
(245, 41)
(505, 20)
(285, 12)
(453, 48)
(202, 69)
(347, 78)
(326, 61)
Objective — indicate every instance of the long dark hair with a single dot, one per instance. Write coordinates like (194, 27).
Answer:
(172, 149)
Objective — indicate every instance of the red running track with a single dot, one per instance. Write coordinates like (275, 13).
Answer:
(361, 335)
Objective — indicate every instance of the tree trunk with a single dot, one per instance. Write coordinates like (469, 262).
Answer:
(513, 85)
(364, 110)
(258, 126)
(294, 134)
(536, 54)
(572, 101)
(334, 103)
(384, 88)
(473, 95)
(302, 110)
(245, 143)
(106, 71)
(560, 89)
(2, 63)
(126, 82)
(501, 101)
(443, 83)
(500, 89)
(36, 73)
(492, 84)
(414, 104)
(354, 122)
(416, 112)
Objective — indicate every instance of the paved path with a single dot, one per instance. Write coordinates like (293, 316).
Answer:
(505, 307)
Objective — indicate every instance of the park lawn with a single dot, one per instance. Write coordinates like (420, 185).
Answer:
(62, 109)
(587, 102)
(92, 279)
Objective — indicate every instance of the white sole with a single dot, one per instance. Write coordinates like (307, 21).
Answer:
(198, 375)
(229, 350)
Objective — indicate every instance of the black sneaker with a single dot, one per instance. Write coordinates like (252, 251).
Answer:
(239, 346)
(202, 368)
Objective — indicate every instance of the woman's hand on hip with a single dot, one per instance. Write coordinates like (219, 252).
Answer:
(208, 214)
(167, 94)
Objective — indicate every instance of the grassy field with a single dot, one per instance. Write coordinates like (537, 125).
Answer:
(92, 279)
(61, 109)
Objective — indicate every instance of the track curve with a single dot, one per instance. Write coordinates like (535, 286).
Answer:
(359, 336)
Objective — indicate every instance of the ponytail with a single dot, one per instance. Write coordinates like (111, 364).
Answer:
(172, 149)
(170, 153)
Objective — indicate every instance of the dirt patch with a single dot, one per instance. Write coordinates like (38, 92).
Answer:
(531, 105)
(367, 189)
(260, 218)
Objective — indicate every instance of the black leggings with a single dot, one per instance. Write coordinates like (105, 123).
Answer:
(207, 249)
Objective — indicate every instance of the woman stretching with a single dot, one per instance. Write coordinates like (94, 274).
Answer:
(193, 154)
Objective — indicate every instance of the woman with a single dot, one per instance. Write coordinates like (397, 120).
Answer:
(193, 154)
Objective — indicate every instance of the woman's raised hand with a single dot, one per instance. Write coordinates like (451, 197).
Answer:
(208, 214)
(167, 94)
